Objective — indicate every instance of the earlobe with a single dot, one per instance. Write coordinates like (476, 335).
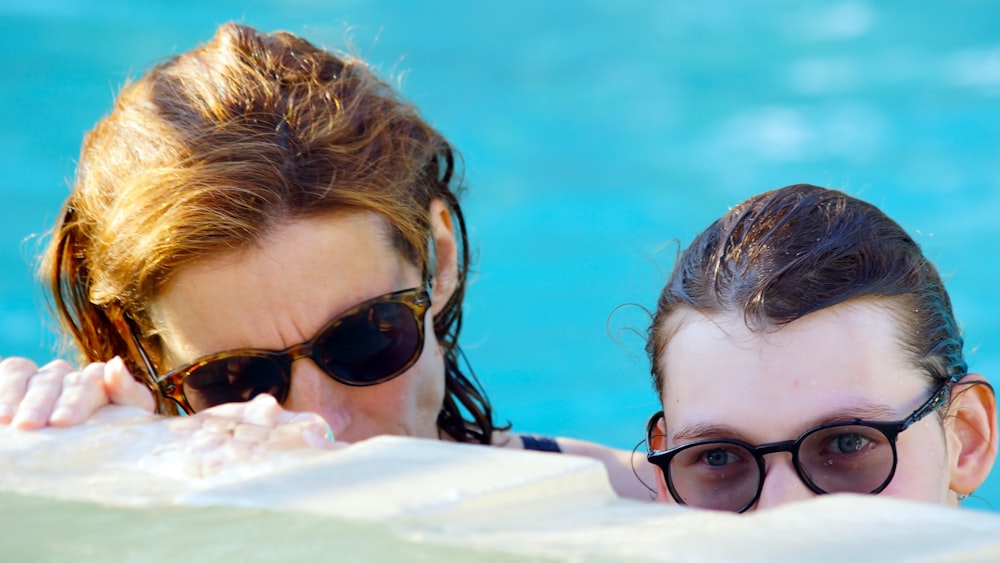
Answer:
(662, 494)
(445, 253)
(971, 429)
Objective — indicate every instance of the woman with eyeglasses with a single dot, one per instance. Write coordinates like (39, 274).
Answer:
(804, 345)
(262, 218)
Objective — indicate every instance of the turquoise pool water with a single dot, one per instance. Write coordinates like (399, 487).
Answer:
(594, 134)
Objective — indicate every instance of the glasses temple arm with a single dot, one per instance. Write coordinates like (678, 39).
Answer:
(934, 402)
(142, 351)
(650, 426)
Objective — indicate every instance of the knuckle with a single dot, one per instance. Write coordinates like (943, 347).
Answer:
(73, 378)
(58, 366)
(313, 418)
(91, 372)
(47, 377)
(266, 400)
(17, 365)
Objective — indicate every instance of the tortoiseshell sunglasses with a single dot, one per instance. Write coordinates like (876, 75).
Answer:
(367, 345)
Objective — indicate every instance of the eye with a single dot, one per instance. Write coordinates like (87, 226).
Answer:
(849, 458)
(719, 457)
(713, 457)
(843, 441)
(848, 443)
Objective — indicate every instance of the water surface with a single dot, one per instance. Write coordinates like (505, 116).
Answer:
(594, 134)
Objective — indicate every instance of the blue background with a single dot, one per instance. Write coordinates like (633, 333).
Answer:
(597, 137)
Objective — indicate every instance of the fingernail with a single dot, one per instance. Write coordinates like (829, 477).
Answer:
(315, 439)
(115, 363)
(27, 418)
(62, 414)
(337, 422)
(319, 429)
(6, 411)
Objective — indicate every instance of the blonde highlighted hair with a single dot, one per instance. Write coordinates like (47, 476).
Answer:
(211, 151)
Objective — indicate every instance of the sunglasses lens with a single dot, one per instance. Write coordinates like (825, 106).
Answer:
(847, 459)
(372, 345)
(715, 475)
(233, 379)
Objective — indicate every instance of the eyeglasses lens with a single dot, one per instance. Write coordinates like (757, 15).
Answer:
(233, 379)
(371, 345)
(364, 348)
(717, 475)
(726, 476)
(847, 459)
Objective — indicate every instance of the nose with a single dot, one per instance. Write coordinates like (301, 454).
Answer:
(782, 484)
(313, 391)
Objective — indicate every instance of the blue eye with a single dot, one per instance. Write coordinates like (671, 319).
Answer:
(719, 457)
(847, 443)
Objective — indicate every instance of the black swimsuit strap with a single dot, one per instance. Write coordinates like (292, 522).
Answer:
(540, 443)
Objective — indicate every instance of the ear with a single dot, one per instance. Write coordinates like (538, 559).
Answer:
(446, 254)
(971, 432)
(658, 441)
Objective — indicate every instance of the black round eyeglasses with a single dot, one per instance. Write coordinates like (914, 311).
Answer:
(855, 456)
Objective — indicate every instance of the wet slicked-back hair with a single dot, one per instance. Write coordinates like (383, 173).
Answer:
(213, 150)
(783, 254)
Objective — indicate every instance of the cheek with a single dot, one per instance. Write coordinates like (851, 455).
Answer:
(662, 494)
(412, 400)
(428, 375)
(922, 471)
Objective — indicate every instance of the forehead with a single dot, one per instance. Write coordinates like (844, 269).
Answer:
(279, 292)
(775, 383)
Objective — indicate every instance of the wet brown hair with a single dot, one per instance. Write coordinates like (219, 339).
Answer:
(214, 149)
(783, 254)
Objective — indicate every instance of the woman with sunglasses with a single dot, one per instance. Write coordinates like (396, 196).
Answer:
(804, 345)
(259, 217)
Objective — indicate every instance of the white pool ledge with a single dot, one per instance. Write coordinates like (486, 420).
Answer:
(419, 497)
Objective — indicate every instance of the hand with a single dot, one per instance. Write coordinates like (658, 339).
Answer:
(238, 435)
(56, 394)
(259, 420)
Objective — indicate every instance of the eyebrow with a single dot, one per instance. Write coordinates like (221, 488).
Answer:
(707, 431)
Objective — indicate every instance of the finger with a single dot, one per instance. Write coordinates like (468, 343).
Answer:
(333, 423)
(234, 410)
(323, 443)
(123, 389)
(242, 450)
(41, 394)
(185, 424)
(339, 421)
(221, 418)
(226, 416)
(202, 442)
(320, 436)
(290, 417)
(298, 429)
(315, 426)
(82, 394)
(262, 410)
(251, 433)
(218, 424)
(14, 375)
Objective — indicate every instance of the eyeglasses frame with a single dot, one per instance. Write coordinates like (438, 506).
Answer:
(891, 430)
(171, 384)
